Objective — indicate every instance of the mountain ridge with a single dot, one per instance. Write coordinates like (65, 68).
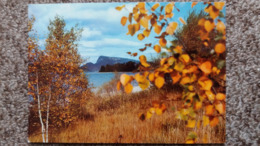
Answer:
(105, 60)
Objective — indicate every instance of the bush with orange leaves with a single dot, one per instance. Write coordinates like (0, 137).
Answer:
(201, 77)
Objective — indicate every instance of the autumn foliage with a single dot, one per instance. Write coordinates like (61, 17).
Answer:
(57, 87)
(198, 68)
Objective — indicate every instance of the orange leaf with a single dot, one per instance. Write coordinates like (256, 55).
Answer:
(182, 21)
(185, 58)
(213, 122)
(209, 25)
(198, 105)
(128, 88)
(151, 77)
(140, 36)
(220, 96)
(119, 8)
(159, 81)
(220, 107)
(124, 79)
(123, 20)
(142, 59)
(171, 28)
(206, 67)
(193, 4)
(134, 54)
(155, 6)
(191, 123)
(163, 42)
(157, 29)
(144, 22)
(219, 5)
(118, 85)
(136, 26)
(209, 110)
(131, 29)
(221, 27)
(210, 95)
(146, 32)
(169, 8)
(220, 48)
(157, 48)
(141, 5)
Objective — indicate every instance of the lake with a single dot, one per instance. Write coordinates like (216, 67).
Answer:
(97, 79)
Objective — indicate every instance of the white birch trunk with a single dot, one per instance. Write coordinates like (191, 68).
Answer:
(39, 107)
(47, 120)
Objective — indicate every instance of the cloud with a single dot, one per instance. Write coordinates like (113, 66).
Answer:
(87, 32)
(109, 42)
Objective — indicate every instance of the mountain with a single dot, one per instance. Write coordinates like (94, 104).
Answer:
(105, 60)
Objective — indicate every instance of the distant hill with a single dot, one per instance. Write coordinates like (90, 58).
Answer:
(103, 61)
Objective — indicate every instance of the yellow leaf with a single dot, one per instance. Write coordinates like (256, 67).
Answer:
(219, 5)
(221, 27)
(140, 36)
(144, 22)
(141, 5)
(220, 48)
(152, 110)
(139, 77)
(206, 67)
(169, 15)
(163, 42)
(158, 111)
(209, 25)
(159, 81)
(148, 115)
(169, 8)
(220, 107)
(205, 120)
(118, 85)
(146, 32)
(151, 77)
(182, 21)
(157, 29)
(171, 60)
(209, 110)
(213, 11)
(119, 8)
(128, 88)
(214, 122)
(185, 80)
(191, 88)
(142, 59)
(155, 6)
(124, 79)
(136, 17)
(123, 20)
(191, 123)
(144, 85)
(178, 49)
(136, 26)
(171, 28)
(210, 95)
(193, 4)
(185, 58)
(220, 96)
(206, 85)
(157, 48)
(191, 69)
(131, 29)
(179, 67)
(198, 105)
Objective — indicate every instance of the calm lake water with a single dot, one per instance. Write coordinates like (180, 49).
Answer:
(97, 79)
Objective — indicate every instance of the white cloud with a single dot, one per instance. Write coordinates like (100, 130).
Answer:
(87, 32)
(109, 42)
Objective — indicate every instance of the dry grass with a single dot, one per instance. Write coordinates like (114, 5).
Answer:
(116, 121)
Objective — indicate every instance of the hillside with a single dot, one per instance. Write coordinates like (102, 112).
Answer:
(103, 61)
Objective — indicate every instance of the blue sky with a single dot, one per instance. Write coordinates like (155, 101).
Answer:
(103, 34)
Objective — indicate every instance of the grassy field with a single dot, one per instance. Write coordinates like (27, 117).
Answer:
(115, 120)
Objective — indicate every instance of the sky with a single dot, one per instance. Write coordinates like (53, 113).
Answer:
(102, 33)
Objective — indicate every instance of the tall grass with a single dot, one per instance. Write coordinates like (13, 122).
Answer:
(115, 120)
